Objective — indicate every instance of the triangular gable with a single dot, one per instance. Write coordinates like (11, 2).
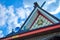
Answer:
(44, 16)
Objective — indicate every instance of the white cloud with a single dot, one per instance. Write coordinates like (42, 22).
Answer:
(56, 11)
(52, 6)
(50, 1)
(23, 12)
(11, 10)
(20, 12)
(27, 11)
(9, 29)
(3, 18)
(29, 2)
(22, 22)
(11, 15)
(57, 8)
(1, 34)
(2, 15)
(8, 16)
(26, 6)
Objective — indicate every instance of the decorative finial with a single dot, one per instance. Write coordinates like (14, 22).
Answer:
(35, 4)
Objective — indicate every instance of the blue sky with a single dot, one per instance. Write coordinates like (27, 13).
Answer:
(13, 13)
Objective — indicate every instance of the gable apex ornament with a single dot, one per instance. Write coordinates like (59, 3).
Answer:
(36, 4)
